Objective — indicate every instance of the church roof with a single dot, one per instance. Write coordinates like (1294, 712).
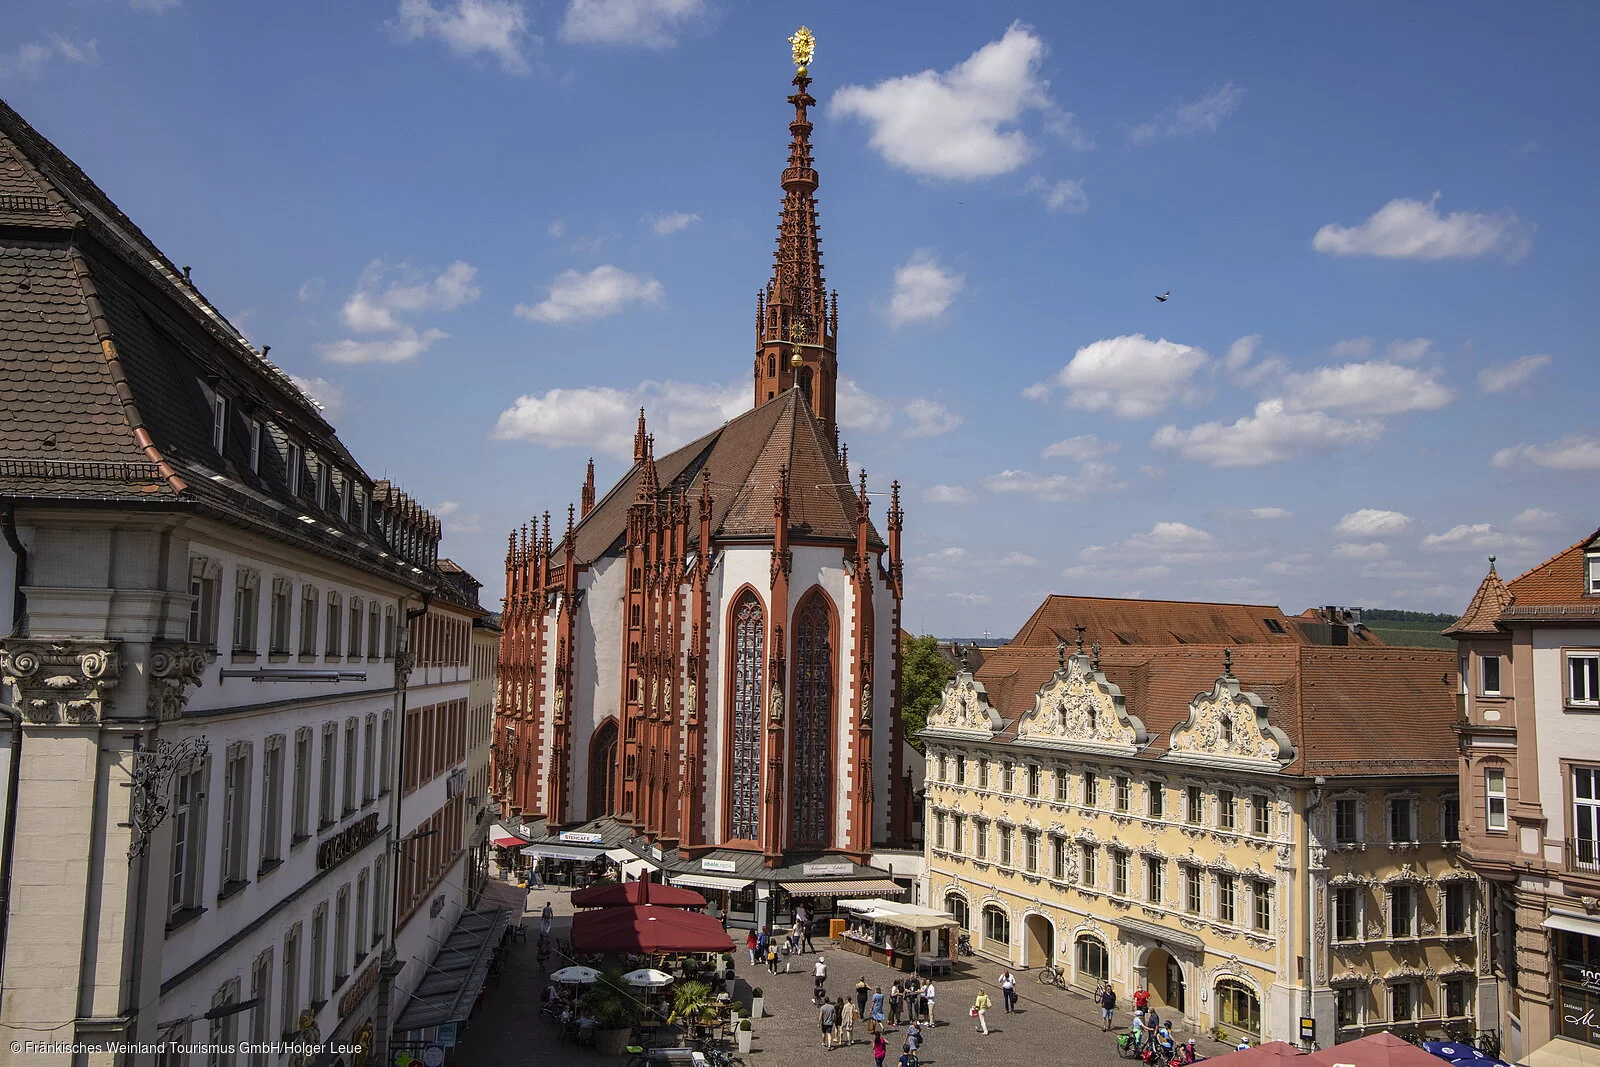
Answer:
(743, 458)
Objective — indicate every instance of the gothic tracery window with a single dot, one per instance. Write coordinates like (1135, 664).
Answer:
(749, 641)
(813, 714)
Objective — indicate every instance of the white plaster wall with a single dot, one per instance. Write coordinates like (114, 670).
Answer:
(885, 641)
(1562, 735)
(597, 669)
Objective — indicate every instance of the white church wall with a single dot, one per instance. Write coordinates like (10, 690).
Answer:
(597, 669)
(884, 642)
(714, 701)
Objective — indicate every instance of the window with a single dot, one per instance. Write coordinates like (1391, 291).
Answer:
(1005, 846)
(1274, 626)
(219, 423)
(1457, 908)
(1063, 785)
(341, 935)
(1450, 818)
(1491, 675)
(373, 621)
(1586, 816)
(1403, 911)
(1583, 678)
(1033, 779)
(388, 632)
(1191, 890)
(983, 774)
(1402, 820)
(384, 764)
(324, 474)
(221, 1030)
(369, 752)
(272, 800)
(244, 610)
(1455, 998)
(1238, 1007)
(1494, 790)
(1008, 778)
(956, 905)
(1346, 913)
(961, 770)
(1402, 1001)
(1093, 960)
(1225, 910)
(1194, 806)
(203, 583)
(813, 701)
(309, 601)
(1154, 872)
(1155, 800)
(1030, 851)
(319, 954)
(350, 754)
(302, 783)
(332, 646)
(1058, 859)
(938, 829)
(253, 427)
(1261, 906)
(261, 1014)
(380, 901)
(361, 915)
(1346, 1007)
(1225, 809)
(1260, 816)
(188, 838)
(749, 635)
(1346, 821)
(291, 464)
(278, 628)
(996, 925)
(980, 839)
(1091, 865)
(353, 643)
(235, 815)
(1123, 791)
(958, 830)
(1091, 790)
(1119, 873)
(325, 780)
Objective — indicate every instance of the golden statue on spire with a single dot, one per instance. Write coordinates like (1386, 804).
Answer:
(803, 46)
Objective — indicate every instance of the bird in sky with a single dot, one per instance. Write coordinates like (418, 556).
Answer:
(1164, 297)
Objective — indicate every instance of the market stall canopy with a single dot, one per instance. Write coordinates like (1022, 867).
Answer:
(904, 916)
(647, 928)
(648, 978)
(500, 837)
(1275, 1052)
(576, 976)
(628, 894)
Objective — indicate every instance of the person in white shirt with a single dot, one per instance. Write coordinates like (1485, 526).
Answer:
(820, 977)
(1008, 992)
(928, 997)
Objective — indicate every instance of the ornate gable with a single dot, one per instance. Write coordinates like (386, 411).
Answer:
(964, 711)
(1229, 725)
(1078, 708)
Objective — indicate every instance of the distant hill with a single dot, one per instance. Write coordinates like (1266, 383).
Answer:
(1414, 629)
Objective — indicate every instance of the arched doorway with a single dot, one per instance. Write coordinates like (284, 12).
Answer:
(1238, 1008)
(1164, 976)
(1038, 942)
(603, 770)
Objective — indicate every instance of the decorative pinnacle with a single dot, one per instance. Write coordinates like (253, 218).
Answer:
(1094, 656)
(803, 46)
(1061, 655)
(1491, 564)
(1227, 663)
(965, 665)
(1081, 628)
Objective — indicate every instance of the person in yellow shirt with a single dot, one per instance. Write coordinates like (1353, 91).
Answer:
(981, 1006)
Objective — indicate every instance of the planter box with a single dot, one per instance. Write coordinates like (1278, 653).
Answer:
(611, 1042)
(757, 1006)
(744, 1037)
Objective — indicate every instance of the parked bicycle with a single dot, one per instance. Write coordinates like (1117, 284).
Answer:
(1049, 975)
(964, 945)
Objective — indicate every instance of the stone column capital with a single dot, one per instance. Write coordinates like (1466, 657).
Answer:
(175, 670)
(61, 681)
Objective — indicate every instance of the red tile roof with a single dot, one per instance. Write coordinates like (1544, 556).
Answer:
(1558, 580)
(1480, 617)
(1118, 621)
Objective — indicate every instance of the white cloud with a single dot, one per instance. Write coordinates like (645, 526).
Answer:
(1091, 479)
(449, 512)
(1367, 389)
(1241, 352)
(1477, 536)
(1502, 376)
(154, 7)
(29, 60)
(647, 23)
(557, 228)
(1132, 376)
(606, 290)
(1574, 452)
(1537, 520)
(1271, 434)
(403, 345)
(970, 598)
(497, 28)
(1166, 544)
(948, 494)
(328, 396)
(1408, 351)
(383, 295)
(1414, 229)
(1298, 563)
(1150, 470)
(1197, 116)
(922, 289)
(1081, 448)
(1016, 559)
(1065, 196)
(310, 289)
(1263, 514)
(857, 409)
(1352, 550)
(1373, 522)
(961, 124)
(671, 222)
(929, 418)
(1037, 391)
(1352, 348)
(604, 419)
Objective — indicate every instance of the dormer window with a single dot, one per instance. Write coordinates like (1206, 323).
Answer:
(292, 462)
(1274, 625)
(1593, 575)
(322, 485)
(219, 422)
(255, 446)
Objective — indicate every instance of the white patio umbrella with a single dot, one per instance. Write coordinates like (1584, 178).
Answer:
(648, 978)
(576, 976)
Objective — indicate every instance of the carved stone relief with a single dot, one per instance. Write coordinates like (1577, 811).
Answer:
(62, 682)
(1231, 723)
(1077, 703)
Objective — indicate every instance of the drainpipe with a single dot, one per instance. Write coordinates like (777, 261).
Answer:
(1313, 802)
(19, 599)
(9, 845)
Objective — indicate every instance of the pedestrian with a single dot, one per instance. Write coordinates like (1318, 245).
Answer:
(827, 1019)
(805, 935)
(847, 1021)
(913, 1036)
(772, 957)
(863, 991)
(751, 944)
(1152, 1021)
(877, 1009)
(879, 1049)
(897, 1000)
(928, 998)
(1108, 1005)
(819, 978)
(980, 1011)
(1138, 1030)
(1242, 1045)
(545, 917)
(794, 938)
(761, 943)
(1008, 992)
(544, 954)
(1141, 998)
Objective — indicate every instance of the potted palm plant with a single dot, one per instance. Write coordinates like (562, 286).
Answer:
(693, 1007)
(758, 999)
(615, 1012)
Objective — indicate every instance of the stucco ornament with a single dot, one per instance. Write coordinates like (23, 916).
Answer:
(64, 682)
(963, 710)
(1076, 707)
(175, 670)
(1229, 725)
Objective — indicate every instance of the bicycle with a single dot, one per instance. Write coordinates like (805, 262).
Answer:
(964, 945)
(1049, 975)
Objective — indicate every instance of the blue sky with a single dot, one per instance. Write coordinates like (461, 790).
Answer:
(484, 230)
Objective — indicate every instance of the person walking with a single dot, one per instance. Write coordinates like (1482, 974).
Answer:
(1141, 998)
(913, 1036)
(794, 938)
(928, 998)
(980, 1008)
(828, 1020)
(879, 1049)
(772, 956)
(877, 1010)
(847, 1022)
(1008, 992)
(819, 979)
(1108, 1006)
(761, 944)
(863, 991)
(545, 917)
(751, 943)
(897, 1001)
(805, 935)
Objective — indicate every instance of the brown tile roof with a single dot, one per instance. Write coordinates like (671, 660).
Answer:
(1480, 617)
(1558, 580)
(1348, 711)
(1115, 621)
(743, 458)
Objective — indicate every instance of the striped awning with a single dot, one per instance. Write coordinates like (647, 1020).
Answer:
(711, 881)
(838, 887)
(500, 837)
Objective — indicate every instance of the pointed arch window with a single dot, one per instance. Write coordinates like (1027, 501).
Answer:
(813, 718)
(749, 645)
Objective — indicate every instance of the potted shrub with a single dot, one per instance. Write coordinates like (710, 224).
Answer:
(615, 1012)
(757, 1003)
(692, 1007)
(745, 1033)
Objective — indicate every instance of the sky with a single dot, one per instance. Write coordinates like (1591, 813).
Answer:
(483, 232)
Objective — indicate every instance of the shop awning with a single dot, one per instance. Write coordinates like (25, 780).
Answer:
(839, 887)
(711, 881)
(452, 982)
(562, 852)
(500, 837)
(622, 855)
(1572, 924)
(633, 867)
(1563, 1052)
(1159, 934)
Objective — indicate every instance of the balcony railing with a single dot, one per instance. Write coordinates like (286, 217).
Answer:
(1583, 855)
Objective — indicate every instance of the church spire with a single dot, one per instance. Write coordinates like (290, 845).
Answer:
(796, 334)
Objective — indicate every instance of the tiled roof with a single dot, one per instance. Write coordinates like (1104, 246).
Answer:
(1558, 580)
(1348, 711)
(1480, 617)
(743, 458)
(1115, 621)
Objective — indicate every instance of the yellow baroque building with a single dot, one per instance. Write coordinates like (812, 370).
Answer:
(1260, 837)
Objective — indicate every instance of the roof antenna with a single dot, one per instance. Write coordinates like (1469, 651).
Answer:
(186, 272)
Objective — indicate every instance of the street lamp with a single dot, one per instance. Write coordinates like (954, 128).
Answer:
(215, 1013)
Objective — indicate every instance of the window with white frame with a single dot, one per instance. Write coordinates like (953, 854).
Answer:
(1346, 913)
(351, 756)
(188, 838)
(1403, 911)
(1124, 792)
(1402, 820)
(205, 580)
(1155, 872)
(1347, 821)
(1091, 790)
(1593, 565)
(1191, 889)
(292, 466)
(369, 755)
(1583, 679)
(1063, 785)
(360, 941)
(956, 905)
(246, 584)
(310, 601)
(1119, 872)
(1033, 779)
(980, 839)
(1489, 675)
(1090, 856)
(1260, 816)
(1225, 813)
(219, 423)
(983, 774)
(278, 621)
(996, 925)
(374, 620)
(961, 770)
(1030, 851)
(388, 632)
(261, 1014)
(291, 979)
(235, 815)
(324, 474)
(1008, 778)
(253, 427)
(385, 771)
(1494, 792)
(1226, 910)
(938, 829)
(319, 954)
(1058, 859)
(272, 784)
(1586, 815)
(1261, 906)
(1194, 805)
(302, 784)
(353, 645)
(341, 935)
(380, 900)
(1155, 796)
(222, 1029)
(1005, 845)
(332, 646)
(958, 829)
(325, 779)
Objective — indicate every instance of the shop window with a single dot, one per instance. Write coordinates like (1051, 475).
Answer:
(1094, 963)
(956, 905)
(996, 925)
(1238, 1007)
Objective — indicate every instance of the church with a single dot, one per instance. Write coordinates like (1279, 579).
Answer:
(700, 674)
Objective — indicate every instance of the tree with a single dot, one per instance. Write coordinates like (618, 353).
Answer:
(923, 674)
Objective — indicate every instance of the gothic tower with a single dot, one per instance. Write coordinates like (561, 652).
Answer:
(796, 323)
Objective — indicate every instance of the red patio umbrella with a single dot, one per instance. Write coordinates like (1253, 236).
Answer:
(1269, 1055)
(1374, 1050)
(628, 894)
(647, 928)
